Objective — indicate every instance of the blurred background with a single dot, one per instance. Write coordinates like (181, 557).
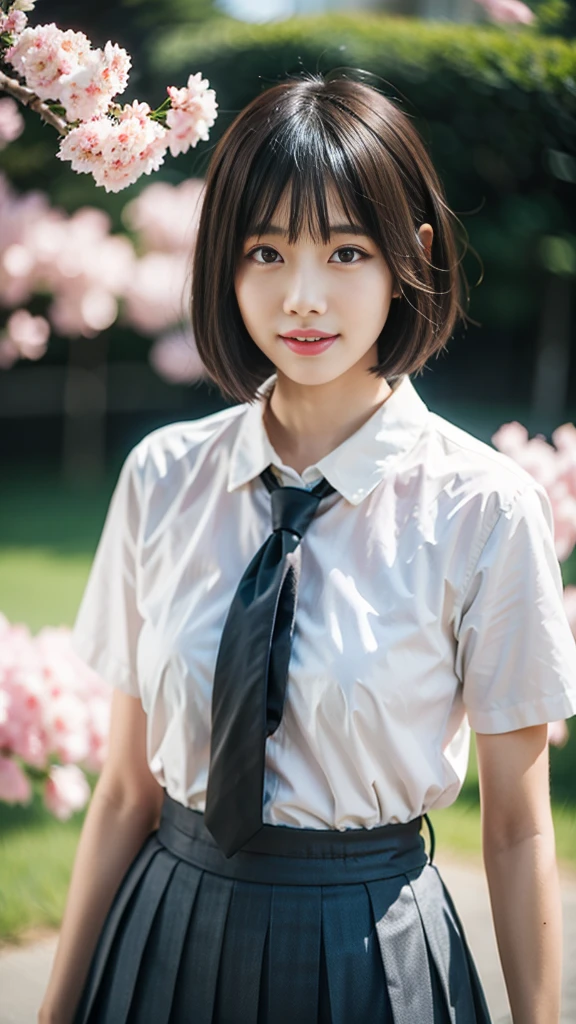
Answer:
(95, 346)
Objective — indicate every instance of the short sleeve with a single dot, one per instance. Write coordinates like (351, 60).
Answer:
(516, 655)
(108, 623)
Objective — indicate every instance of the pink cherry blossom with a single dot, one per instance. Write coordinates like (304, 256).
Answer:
(79, 701)
(25, 337)
(15, 786)
(136, 146)
(564, 438)
(85, 268)
(166, 216)
(75, 258)
(67, 710)
(88, 90)
(51, 705)
(156, 296)
(554, 466)
(116, 153)
(175, 358)
(22, 696)
(20, 217)
(13, 23)
(84, 145)
(117, 65)
(66, 791)
(83, 313)
(564, 511)
(43, 55)
(11, 121)
(29, 333)
(510, 438)
(508, 11)
(192, 113)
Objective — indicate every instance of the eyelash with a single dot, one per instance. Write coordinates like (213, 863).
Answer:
(343, 248)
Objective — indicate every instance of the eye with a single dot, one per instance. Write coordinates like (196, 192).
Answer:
(348, 251)
(267, 251)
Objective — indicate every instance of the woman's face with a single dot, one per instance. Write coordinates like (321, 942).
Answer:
(342, 290)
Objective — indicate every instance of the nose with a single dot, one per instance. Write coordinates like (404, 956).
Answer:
(304, 294)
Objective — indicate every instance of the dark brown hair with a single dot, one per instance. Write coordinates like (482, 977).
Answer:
(312, 133)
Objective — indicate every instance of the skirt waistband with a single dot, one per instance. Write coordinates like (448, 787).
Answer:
(285, 855)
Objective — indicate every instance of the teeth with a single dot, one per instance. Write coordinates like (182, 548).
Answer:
(308, 339)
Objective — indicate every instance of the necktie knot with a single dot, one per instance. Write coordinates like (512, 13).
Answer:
(293, 509)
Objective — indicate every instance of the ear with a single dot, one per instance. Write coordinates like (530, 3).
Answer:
(425, 235)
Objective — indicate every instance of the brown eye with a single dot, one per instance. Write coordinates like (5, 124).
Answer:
(267, 253)
(347, 253)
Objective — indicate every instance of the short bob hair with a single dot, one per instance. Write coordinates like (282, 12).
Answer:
(312, 133)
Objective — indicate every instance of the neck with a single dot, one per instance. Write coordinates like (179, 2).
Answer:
(306, 422)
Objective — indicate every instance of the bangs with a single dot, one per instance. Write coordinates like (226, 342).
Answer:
(303, 164)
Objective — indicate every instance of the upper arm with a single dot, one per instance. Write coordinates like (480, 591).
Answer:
(514, 785)
(126, 778)
(108, 624)
(516, 655)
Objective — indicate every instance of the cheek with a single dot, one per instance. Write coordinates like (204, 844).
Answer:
(253, 299)
(371, 292)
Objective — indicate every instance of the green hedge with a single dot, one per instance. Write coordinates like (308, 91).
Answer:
(494, 105)
(487, 57)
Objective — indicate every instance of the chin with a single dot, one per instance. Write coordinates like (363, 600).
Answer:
(310, 375)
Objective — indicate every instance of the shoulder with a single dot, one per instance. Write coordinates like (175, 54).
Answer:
(176, 448)
(482, 486)
(479, 468)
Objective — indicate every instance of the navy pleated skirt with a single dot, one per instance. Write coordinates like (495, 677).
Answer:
(302, 926)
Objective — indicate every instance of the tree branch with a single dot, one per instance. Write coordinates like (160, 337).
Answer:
(28, 98)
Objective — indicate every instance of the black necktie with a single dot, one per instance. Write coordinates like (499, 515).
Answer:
(252, 668)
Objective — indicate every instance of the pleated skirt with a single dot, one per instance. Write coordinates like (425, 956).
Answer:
(302, 926)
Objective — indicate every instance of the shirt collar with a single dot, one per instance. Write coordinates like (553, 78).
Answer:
(357, 465)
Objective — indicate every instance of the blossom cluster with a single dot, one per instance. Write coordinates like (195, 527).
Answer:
(553, 466)
(54, 719)
(63, 66)
(116, 144)
(24, 337)
(95, 277)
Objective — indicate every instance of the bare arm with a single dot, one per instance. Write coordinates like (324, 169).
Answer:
(520, 860)
(125, 805)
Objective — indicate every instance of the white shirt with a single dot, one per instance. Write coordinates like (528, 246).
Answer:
(430, 601)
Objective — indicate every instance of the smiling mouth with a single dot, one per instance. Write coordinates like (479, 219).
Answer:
(320, 337)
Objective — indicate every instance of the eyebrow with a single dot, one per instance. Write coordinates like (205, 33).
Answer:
(335, 229)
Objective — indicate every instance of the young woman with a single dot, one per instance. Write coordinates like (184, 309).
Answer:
(304, 601)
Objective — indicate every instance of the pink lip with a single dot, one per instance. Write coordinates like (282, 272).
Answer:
(309, 332)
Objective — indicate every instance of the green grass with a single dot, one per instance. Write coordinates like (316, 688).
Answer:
(41, 586)
(36, 857)
(48, 534)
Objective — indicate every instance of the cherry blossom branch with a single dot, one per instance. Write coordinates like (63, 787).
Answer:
(28, 98)
(72, 86)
